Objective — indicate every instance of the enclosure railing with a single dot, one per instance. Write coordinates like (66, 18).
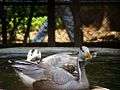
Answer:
(78, 35)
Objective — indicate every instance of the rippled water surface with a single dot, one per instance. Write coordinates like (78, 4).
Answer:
(105, 73)
(102, 71)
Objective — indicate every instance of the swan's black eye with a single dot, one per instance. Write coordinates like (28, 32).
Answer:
(33, 50)
(81, 49)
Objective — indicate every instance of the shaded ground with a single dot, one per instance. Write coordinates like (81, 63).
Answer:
(90, 33)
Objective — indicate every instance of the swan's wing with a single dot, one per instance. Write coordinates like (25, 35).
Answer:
(59, 59)
(37, 72)
(61, 76)
(67, 54)
(30, 69)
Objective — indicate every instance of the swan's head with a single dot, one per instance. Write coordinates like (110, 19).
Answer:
(34, 56)
(86, 53)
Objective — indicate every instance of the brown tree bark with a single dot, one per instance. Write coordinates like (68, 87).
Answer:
(51, 22)
(4, 23)
(13, 31)
(28, 25)
(78, 34)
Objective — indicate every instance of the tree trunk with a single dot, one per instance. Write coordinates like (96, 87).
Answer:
(4, 24)
(78, 34)
(114, 17)
(68, 21)
(28, 25)
(51, 22)
(13, 31)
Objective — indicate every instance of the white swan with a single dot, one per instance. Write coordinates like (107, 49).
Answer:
(60, 59)
(46, 77)
(34, 56)
(64, 60)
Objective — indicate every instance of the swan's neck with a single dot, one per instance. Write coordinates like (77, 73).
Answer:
(79, 70)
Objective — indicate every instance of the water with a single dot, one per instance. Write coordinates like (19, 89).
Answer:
(102, 71)
(105, 72)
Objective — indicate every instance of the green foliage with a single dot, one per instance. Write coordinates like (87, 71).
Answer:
(37, 22)
(59, 23)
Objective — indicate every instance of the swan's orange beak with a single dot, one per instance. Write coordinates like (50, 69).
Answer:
(87, 56)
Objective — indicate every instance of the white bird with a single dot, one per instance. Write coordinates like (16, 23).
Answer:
(60, 59)
(46, 77)
(63, 60)
(34, 55)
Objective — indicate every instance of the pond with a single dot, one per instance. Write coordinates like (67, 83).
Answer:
(103, 71)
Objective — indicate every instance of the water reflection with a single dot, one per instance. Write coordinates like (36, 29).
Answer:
(105, 74)
(103, 71)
